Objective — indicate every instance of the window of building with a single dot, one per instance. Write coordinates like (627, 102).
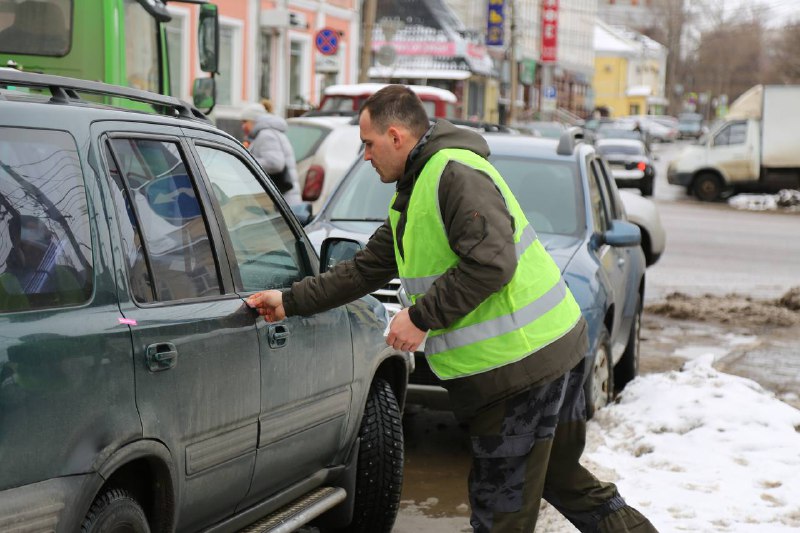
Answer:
(45, 240)
(229, 81)
(163, 204)
(265, 82)
(297, 73)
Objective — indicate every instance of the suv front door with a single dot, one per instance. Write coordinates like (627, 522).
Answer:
(306, 362)
(195, 345)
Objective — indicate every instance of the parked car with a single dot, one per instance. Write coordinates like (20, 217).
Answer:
(541, 128)
(324, 148)
(346, 99)
(658, 130)
(630, 164)
(690, 126)
(138, 392)
(644, 213)
(569, 196)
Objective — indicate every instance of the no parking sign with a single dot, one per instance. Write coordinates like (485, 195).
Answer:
(327, 41)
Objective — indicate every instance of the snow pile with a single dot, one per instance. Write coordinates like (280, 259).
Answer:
(702, 451)
(787, 199)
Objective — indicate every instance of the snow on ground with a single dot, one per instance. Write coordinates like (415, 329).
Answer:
(703, 451)
(785, 200)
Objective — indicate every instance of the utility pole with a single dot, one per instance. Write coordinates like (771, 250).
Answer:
(370, 11)
(512, 50)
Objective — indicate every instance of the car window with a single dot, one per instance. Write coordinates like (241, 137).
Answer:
(45, 240)
(305, 139)
(164, 201)
(618, 209)
(36, 28)
(735, 133)
(547, 191)
(608, 188)
(597, 200)
(267, 252)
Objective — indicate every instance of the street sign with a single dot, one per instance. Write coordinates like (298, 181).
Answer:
(327, 41)
(549, 92)
(549, 49)
(386, 55)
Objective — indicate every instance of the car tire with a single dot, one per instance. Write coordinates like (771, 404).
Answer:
(379, 478)
(647, 187)
(707, 187)
(599, 387)
(115, 511)
(628, 367)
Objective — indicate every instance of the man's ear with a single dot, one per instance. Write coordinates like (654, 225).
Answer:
(397, 135)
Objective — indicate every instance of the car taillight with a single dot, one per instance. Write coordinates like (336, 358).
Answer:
(315, 177)
(641, 166)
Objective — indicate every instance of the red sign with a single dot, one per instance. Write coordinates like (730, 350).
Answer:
(549, 31)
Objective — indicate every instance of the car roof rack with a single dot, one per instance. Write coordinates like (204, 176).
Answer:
(64, 90)
(571, 138)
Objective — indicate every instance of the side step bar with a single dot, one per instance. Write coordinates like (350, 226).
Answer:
(299, 512)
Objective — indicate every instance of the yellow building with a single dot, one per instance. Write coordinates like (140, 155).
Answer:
(629, 74)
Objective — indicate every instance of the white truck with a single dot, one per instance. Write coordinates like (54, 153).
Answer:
(756, 148)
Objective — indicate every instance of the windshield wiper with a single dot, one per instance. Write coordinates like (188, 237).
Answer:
(357, 219)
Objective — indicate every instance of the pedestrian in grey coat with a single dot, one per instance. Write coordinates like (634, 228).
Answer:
(266, 139)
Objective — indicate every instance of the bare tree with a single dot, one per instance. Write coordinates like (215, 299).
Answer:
(783, 56)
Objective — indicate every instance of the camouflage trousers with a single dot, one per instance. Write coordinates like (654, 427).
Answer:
(528, 447)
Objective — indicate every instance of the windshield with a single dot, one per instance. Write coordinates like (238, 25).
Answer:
(363, 196)
(548, 192)
(35, 27)
(141, 48)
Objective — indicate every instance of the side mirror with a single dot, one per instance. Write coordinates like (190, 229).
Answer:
(204, 94)
(208, 38)
(335, 250)
(623, 233)
(303, 213)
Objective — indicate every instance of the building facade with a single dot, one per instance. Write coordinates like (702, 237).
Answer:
(269, 49)
(630, 72)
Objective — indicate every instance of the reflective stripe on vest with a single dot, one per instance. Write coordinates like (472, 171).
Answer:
(532, 310)
(421, 285)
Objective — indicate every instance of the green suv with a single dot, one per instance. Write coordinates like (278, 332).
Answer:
(138, 392)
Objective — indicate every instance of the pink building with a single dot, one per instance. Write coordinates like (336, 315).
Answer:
(269, 49)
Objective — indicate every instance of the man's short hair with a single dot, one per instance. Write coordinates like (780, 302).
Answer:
(396, 105)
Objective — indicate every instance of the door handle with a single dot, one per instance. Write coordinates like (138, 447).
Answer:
(161, 356)
(278, 335)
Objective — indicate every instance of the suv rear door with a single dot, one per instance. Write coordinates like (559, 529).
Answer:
(306, 362)
(195, 346)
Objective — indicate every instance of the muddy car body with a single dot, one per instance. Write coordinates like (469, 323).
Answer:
(136, 387)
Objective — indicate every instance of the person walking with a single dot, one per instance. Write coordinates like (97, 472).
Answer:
(504, 333)
(265, 138)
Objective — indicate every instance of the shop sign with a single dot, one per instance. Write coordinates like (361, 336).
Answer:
(549, 31)
(495, 23)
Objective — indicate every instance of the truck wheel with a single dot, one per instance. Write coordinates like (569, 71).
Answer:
(707, 187)
(647, 187)
(599, 387)
(115, 511)
(380, 463)
(628, 366)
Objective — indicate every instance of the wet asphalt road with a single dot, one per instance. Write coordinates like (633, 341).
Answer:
(711, 248)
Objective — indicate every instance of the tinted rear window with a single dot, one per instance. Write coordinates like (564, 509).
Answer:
(620, 149)
(36, 27)
(45, 241)
(305, 139)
